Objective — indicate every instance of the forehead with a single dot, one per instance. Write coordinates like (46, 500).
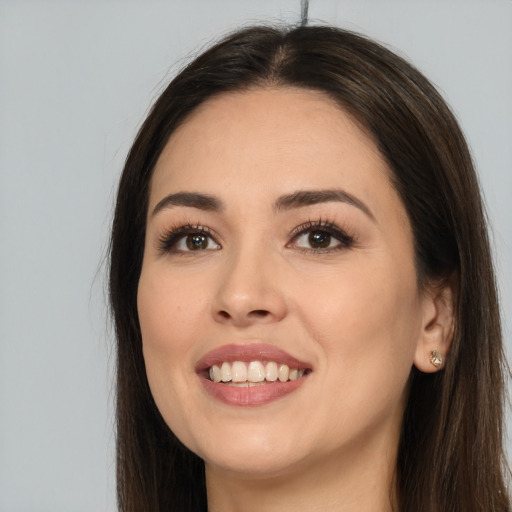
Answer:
(270, 140)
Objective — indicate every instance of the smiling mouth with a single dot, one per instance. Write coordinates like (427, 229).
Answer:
(253, 373)
(250, 375)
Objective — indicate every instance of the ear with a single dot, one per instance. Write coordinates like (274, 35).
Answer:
(438, 326)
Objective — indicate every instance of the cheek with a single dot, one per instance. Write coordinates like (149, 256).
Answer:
(169, 309)
(169, 314)
(367, 320)
(366, 327)
(361, 296)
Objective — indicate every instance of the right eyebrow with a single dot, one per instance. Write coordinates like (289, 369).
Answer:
(190, 199)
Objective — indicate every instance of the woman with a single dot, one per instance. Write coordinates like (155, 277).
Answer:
(303, 290)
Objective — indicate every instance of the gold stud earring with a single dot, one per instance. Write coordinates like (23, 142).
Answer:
(435, 359)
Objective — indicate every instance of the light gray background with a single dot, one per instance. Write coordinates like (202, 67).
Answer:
(76, 78)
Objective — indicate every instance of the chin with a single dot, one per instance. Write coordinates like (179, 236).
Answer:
(253, 467)
(252, 456)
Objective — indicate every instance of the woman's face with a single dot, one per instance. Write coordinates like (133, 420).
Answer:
(275, 240)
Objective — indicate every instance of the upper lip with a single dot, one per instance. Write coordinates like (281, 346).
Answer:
(248, 353)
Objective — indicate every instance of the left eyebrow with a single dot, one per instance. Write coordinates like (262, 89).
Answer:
(303, 198)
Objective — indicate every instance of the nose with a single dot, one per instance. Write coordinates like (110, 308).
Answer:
(249, 292)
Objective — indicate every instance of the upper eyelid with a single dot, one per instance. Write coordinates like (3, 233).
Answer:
(319, 225)
(176, 233)
(190, 228)
(187, 228)
(344, 236)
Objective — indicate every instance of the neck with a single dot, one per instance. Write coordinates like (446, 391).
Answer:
(357, 480)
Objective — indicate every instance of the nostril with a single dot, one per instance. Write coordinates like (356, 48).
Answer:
(244, 317)
(259, 313)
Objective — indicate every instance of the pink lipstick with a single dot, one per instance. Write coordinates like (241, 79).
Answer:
(250, 375)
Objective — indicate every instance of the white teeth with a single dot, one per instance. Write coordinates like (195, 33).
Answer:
(296, 374)
(225, 371)
(255, 372)
(271, 371)
(240, 373)
(215, 373)
(283, 373)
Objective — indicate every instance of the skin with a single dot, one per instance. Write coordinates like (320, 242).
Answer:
(353, 312)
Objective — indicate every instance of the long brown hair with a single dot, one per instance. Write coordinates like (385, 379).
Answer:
(450, 454)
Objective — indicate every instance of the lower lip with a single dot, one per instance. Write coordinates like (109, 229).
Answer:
(251, 396)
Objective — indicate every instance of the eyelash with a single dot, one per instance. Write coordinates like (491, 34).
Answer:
(167, 241)
(346, 241)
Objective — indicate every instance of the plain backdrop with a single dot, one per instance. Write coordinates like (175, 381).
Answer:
(76, 79)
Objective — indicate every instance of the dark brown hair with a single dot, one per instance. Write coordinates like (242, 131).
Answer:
(450, 454)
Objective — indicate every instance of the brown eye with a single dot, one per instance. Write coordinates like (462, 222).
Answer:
(319, 239)
(196, 242)
(184, 240)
